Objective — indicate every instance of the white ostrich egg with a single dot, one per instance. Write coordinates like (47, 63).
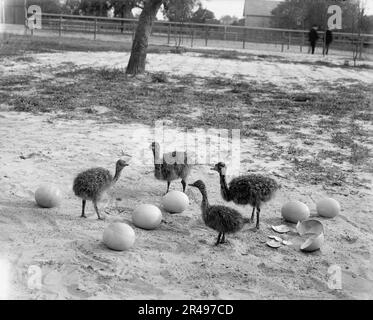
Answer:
(147, 216)
(328, 208)
(175, 201)
(118, 236)
(48, 196)
(295, 211)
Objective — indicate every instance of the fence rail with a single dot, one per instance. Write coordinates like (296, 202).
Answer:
(191, 34)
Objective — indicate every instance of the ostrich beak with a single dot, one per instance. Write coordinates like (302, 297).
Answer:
(191, 184)
(213, 169)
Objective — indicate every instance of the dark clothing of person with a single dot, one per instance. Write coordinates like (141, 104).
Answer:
(312, 35)
(312, 38)
(328, 37)
(328, 41)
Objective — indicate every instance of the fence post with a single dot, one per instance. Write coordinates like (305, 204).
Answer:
(244, 38)
(361, 48)
(95, 29)
(225, 32)
(133, 31)
(60, 26)
(169, 34)
(282, 42)
(289, 40)
(192, 40)
(206, 36)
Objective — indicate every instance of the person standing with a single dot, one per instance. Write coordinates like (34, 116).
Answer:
(328, 40)
(31, 21)
(312, 38)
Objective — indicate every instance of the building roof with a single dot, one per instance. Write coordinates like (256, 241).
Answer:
(259, 7)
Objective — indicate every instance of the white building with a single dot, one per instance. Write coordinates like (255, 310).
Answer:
(257, 13)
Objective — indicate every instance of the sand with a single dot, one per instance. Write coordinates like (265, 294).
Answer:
(178, 260)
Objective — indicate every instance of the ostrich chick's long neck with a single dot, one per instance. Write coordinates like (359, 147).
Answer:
(117, 175)
(205, 202)
(224, 188)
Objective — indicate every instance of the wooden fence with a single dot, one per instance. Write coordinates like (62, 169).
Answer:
(192, 34)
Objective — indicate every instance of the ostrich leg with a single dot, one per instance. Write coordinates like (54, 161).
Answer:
(252, 215)
(168, 186)
(83, 208)
(98, 214)
(223, 238)
(218, 240)
(184, 185)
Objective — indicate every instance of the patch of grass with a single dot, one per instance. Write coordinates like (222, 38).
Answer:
(114, 74)
(24, 59)
(19, 44)
(359, 154)
(342, 140)
(241, 87)
(328, 64)
(16, 80)
(159, 77)
(316, 171)
(292, 150)
(329, 123)
(217, 82)
(222, 54)
(336, 156)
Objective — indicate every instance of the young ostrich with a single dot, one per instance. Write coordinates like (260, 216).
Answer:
(250, 189)
(220, 218)
(167, 169)
(92, 183)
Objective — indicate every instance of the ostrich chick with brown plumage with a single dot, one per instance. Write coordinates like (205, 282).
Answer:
(220, 218)
(253, 189)
(170, 166)
(93, 183)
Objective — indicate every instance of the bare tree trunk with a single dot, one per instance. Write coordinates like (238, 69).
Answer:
(136, 63)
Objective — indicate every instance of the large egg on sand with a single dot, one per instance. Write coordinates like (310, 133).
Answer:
(295, 211)
(328, 208)
(147, 216)
(48, 196)
(175, 201)
(118, 236)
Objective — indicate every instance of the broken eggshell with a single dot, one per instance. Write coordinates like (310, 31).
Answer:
(313, 243)
(310, 226)
(275, 238)
(315, 229)
(281, 228)
(286, 243)
(273, 244)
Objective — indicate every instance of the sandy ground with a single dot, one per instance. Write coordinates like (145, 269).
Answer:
(178, 260)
